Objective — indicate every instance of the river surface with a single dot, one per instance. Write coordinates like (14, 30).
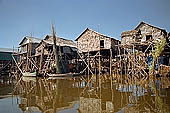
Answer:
(77, 95)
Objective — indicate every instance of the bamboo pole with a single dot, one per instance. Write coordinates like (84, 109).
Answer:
(88, 62)
(85, 63)
(111, 62)
(120, 62)
(41, 59)
(32, 63)
(17, 64)
(27, 56)
(55, 50)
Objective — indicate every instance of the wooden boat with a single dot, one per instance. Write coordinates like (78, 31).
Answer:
(29, 74)
(33, 74)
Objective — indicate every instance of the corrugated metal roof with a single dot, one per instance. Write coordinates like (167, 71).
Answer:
(8, 50)
(30, 39)
(60, 41)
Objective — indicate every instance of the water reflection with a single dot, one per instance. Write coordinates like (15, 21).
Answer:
(77, 95)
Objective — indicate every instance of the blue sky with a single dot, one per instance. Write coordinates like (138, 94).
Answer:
(19, 18)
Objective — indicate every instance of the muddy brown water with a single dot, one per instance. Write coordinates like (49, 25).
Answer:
(75, 95)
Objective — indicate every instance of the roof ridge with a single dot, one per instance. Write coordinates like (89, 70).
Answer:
(35, 38)
(95, 32)
(60, 38)
(142, 22)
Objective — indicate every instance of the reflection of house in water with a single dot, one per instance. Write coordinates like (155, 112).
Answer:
(48, 96)
(90, 105)
(94, 105)
(108, 100)
(125, 98)
(154, 101)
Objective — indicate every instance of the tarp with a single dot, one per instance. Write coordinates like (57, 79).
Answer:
(159, 61)
(5, 56)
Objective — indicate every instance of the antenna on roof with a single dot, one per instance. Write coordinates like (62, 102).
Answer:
(30, 37)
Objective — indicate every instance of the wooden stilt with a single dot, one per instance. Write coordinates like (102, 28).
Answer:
(41, 59)
(88, 65)
(110, 62)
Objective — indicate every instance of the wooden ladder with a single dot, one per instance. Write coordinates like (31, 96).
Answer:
(49, 59)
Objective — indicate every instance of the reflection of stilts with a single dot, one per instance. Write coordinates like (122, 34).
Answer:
(48, 95)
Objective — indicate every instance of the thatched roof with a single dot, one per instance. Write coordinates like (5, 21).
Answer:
(28, 39)
(9, 50)
(129, 33)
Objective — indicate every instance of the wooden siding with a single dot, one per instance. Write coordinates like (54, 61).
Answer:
(90, 41)
(145, 30)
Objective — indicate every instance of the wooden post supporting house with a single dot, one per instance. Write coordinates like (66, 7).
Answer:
(88, 58)
(41, 59)
(111, 62)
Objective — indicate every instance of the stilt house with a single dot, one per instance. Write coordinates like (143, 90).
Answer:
(66, 52)
(28, 45)
(144, 38)
(97, 50)
(26, 51)
(6, 60)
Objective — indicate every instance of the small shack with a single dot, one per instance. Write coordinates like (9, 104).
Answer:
(26, 50)
(28, 44)
(66, 52)
(6, 60)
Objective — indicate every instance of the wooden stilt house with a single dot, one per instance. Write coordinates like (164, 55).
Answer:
(142, 36)
(26, 51)
(144, 39)
(66, 53)
(97, 50)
